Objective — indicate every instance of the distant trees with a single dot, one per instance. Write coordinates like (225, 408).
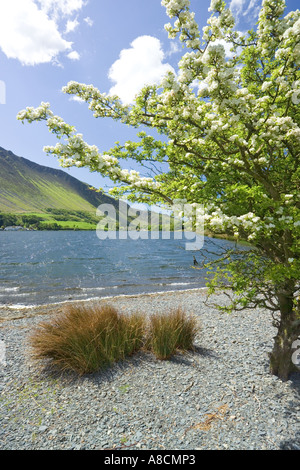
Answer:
(24, 220)
(65, 214)
(7, 220)
(40, 222)
(30, 220)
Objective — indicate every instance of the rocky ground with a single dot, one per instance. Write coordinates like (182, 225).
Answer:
(220, 396)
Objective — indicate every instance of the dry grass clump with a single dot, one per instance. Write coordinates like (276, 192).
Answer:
(170, 332)
(86, 339)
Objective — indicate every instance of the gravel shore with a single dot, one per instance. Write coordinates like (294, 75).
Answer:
(220, 396)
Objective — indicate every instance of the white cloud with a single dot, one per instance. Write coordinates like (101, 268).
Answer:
(73, 55)
(71, 25)
(77, 99)
(138, 66)
(175, 47)
(240, 8)
(28, 34)
(88, 21)
(29, 30)
(236, 6)
(61, 7)
(253, 8)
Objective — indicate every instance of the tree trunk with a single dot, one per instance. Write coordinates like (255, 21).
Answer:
(281, 363)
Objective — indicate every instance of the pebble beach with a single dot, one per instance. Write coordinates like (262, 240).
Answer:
(221, 396)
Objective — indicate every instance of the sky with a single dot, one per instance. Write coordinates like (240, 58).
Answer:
(116, 45)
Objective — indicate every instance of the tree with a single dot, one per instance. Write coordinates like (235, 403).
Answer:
(227, 137)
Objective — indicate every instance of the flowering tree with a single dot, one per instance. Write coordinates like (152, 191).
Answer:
(229, 141)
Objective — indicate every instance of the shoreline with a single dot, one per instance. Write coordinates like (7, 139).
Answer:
(16, 312)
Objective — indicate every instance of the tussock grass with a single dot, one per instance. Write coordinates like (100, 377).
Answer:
(86, 339)
(170, 332)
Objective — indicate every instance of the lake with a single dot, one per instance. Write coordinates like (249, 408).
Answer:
(41, 267)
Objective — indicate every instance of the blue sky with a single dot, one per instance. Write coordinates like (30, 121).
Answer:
(116, 45)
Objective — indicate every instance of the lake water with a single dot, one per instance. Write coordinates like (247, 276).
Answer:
(46, 267)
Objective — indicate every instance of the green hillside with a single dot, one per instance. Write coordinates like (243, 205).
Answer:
(38, 197)
(26, 187)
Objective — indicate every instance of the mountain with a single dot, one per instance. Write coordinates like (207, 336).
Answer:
(26, 186)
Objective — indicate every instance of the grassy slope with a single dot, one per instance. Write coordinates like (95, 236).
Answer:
(28, 187)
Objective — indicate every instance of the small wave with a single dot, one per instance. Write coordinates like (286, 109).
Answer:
(9, 289)
(179, 284)
(66, 301)
(18, 306)
(170, 284)
(25, 294)
(87, 289)
(73, 289)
